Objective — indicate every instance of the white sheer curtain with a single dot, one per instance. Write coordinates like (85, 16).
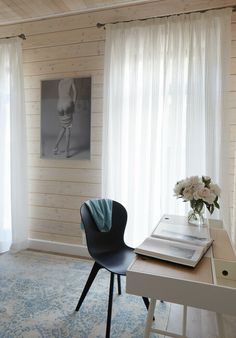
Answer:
(233, 225)
(13, 191)
(164, 83)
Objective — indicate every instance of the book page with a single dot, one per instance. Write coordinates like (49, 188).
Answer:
(182, 233)
(169, 250)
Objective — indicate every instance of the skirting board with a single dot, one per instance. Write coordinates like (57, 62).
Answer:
(60, 248)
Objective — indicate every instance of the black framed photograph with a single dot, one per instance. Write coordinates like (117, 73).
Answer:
(66, 118)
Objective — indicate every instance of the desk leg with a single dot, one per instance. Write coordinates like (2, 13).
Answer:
(184, 324)
(149, 321)
(220, 325)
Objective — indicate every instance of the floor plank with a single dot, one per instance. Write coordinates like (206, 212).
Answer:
(200, 323)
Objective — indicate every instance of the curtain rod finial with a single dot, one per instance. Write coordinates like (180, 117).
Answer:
(99, 25)
(22, 36)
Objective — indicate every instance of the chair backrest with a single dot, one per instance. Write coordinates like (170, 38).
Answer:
(101, 242)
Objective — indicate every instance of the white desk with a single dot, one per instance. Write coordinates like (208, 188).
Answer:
(206, 286)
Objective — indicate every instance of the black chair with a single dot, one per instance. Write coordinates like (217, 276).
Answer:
(109, 251)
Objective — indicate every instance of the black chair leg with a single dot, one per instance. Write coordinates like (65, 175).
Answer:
(119, 284)
(146, 302)
(89, 282)
(109, 311)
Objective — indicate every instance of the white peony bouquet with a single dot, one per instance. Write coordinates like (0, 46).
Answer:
(199, 191)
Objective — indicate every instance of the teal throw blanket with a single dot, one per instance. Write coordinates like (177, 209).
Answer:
(101, 210)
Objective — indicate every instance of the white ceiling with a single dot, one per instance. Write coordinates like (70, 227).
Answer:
(14, 11)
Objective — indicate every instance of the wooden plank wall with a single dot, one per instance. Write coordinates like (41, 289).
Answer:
(232, 121)
(73, 46)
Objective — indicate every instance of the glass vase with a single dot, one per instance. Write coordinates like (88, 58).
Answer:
(196, 217)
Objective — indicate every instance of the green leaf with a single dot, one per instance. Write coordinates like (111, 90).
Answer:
(217, 205)
(199, 205)
(206, 182)
(212, 208)
(192, 204)
(208, 207)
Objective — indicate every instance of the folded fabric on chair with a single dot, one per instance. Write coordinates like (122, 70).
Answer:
(101, 210)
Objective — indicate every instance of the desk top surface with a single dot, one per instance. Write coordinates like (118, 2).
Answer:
(152, 266)
(203, 272)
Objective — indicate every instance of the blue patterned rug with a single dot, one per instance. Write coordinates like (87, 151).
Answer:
(39, 292)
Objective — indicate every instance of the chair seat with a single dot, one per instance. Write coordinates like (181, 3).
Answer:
(116, 261)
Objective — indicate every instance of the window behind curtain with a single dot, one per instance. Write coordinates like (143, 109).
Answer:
(164, 84)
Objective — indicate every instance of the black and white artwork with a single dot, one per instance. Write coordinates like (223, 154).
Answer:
(66, 118)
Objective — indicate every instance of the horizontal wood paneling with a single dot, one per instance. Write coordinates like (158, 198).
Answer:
(232, 116)
(55, 214)
(232, 99)
(97, 107)
(56, 66)
(233, 48)
(66, 175)
(64, 38)
(56, 201)
(232, 120)
(65, 188)
(63, 52)
(56, 227)
(233, 31)
(233, 65)
(32, 108)
(48, 236)
(36, 161)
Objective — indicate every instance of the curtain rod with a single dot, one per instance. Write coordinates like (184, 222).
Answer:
(22, 36)
(99, 25)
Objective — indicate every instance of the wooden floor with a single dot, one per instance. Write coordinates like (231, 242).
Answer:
(200, 323)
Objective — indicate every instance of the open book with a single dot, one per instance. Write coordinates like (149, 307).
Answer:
(177, 241)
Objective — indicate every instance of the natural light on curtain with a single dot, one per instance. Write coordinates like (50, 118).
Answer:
(13, 191)
(233, 226)
(164, 81)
